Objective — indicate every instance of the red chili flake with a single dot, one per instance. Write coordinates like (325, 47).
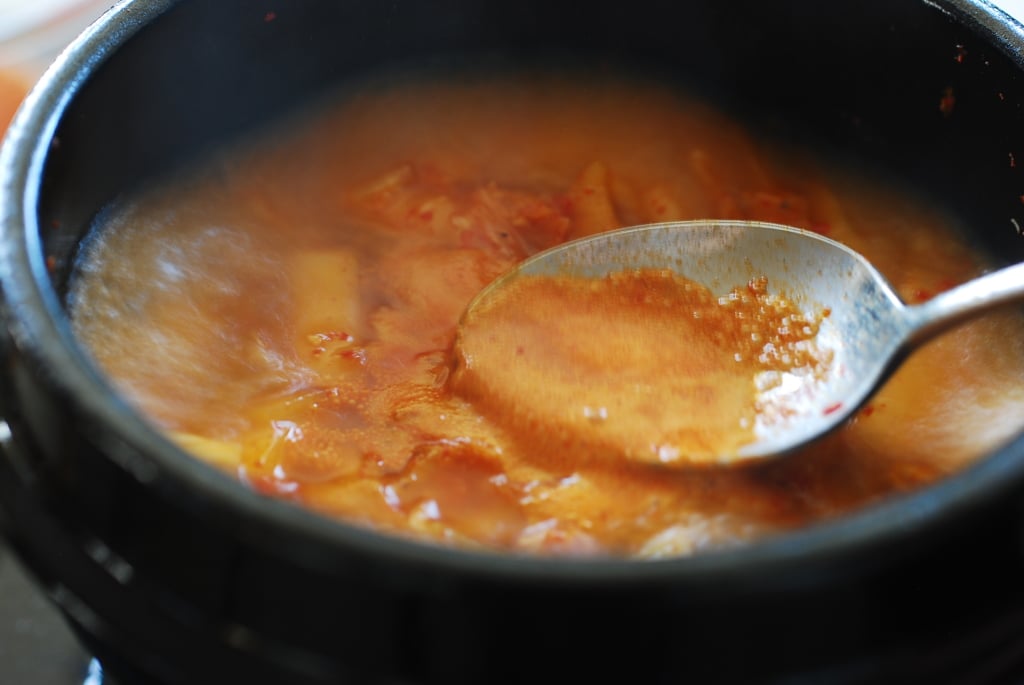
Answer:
(427, 215)
(758, 286)
(947, 102)
(266, 485)
(868, 410)
(833, 408)
(330, 336)
(1022, 199)
(355, 355)
(961, 53)
(589, 191)
(269, 17)
(821, 227)
(520, 351)
(55, 224)
(921, 295)
(262, 485)
(51, 263)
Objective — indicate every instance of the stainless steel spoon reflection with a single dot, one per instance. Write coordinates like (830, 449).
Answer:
(869, 329)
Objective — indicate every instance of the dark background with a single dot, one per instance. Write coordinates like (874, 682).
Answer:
(36, 647)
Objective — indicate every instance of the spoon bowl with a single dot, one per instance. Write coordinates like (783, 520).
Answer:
(867, 329)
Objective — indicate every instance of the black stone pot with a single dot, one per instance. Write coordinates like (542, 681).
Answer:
(173, 573)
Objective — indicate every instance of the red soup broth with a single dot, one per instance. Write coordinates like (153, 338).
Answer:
(287, 312)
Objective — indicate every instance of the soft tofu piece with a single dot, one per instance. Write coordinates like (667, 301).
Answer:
(326, 310)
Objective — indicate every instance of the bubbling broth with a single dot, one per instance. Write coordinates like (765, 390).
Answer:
(287, 312)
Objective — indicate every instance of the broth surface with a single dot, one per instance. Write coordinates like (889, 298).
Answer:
(287, 312)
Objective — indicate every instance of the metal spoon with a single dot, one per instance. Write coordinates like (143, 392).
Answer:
(869, 329)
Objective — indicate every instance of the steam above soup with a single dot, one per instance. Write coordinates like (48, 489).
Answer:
(287, 312)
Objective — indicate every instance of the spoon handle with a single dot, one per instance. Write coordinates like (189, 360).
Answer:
(966, 301)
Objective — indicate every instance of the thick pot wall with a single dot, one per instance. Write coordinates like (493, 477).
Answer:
(174, 573)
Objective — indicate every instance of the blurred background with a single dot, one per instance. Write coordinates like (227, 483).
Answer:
(32, 32)
(36, 647)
